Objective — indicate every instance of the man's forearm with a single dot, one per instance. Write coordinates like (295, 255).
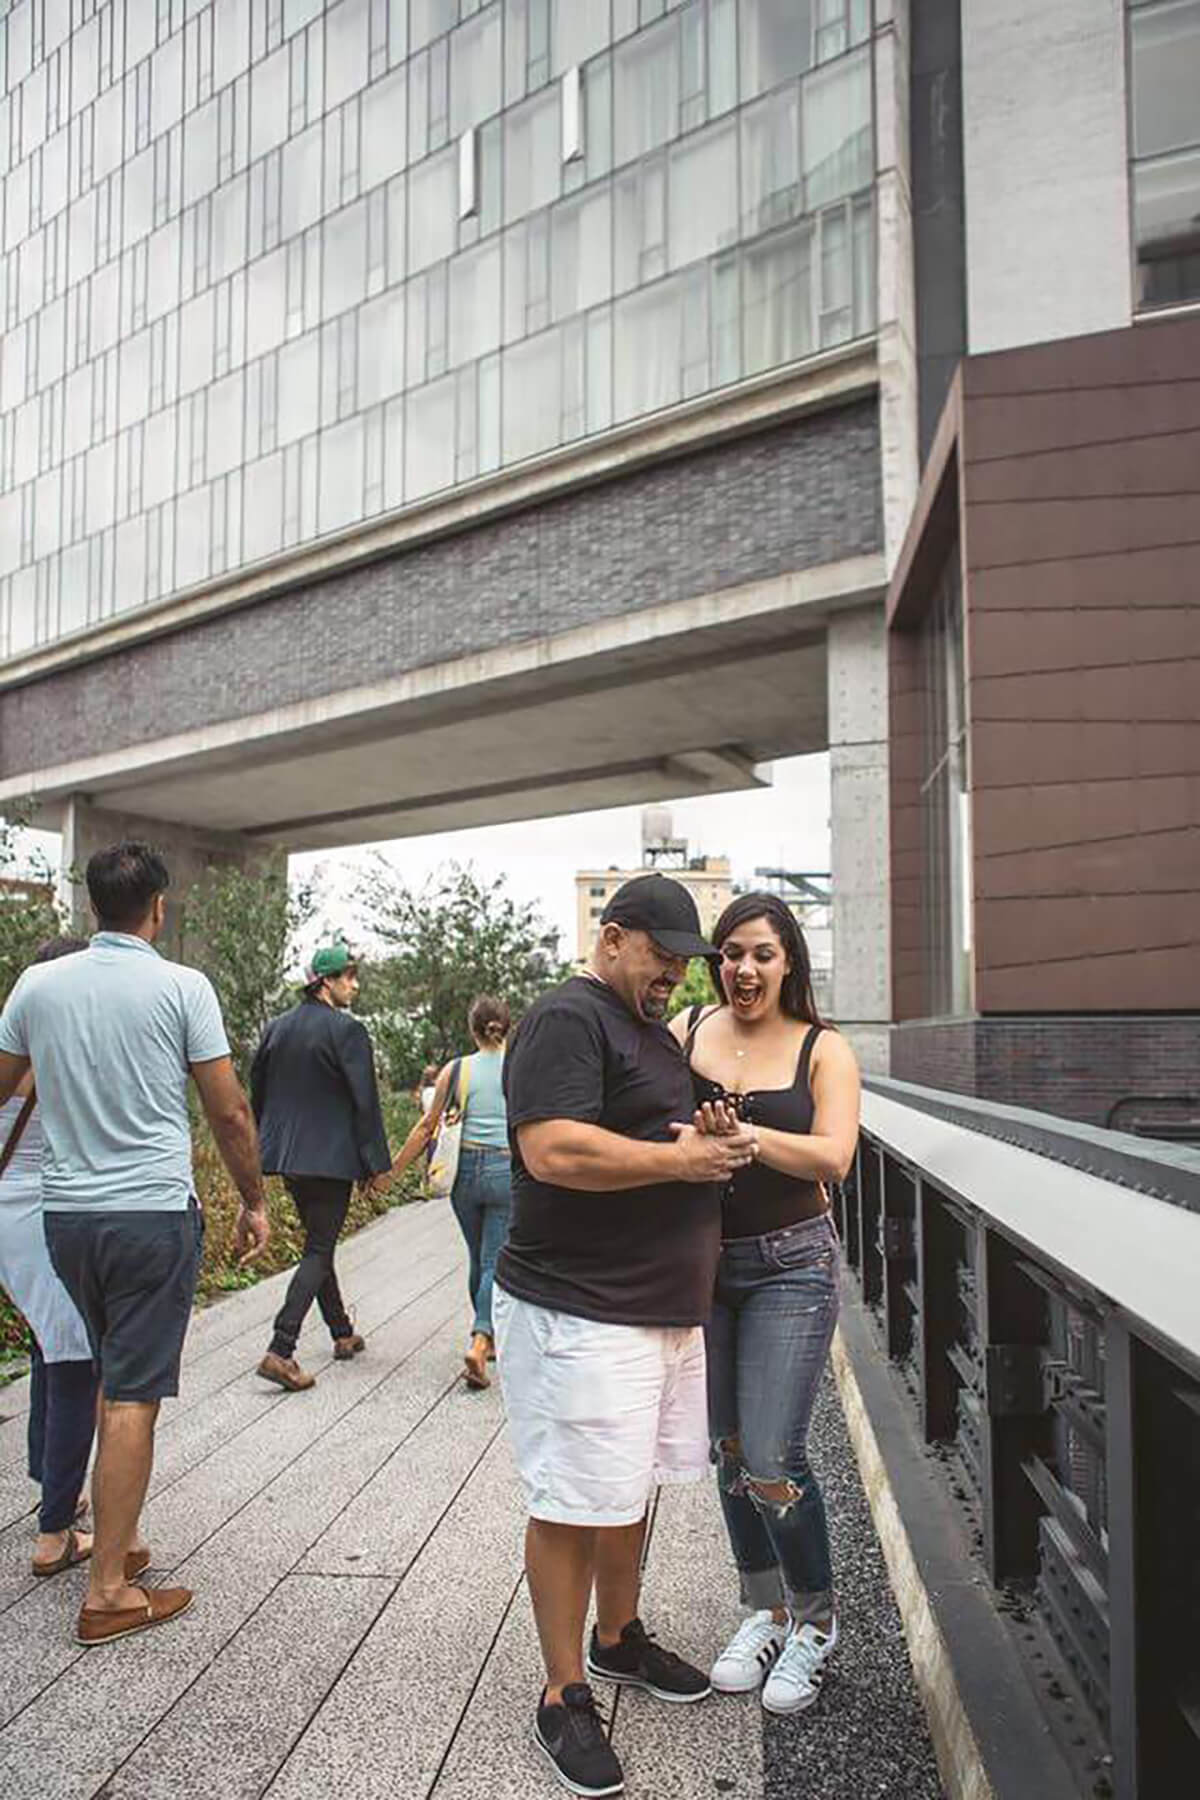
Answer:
(237, 1140)
(594, 1160)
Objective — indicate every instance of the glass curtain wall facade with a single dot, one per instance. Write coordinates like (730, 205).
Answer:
(1164, 42)
(271, 268)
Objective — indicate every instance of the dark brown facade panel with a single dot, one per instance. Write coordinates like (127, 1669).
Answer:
(1163, 577)
(1023, 423)
(1030, 531)
(1029, 929)
(1051, 638)
(1161, 862)
(1010, 820)
(1166, 979)
(1162, 350)
(1154, 465)
(1156, 692)
(1008, 754)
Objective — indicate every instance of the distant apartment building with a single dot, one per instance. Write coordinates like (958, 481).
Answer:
(709, 879)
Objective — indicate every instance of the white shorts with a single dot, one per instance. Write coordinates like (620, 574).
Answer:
(599, 1414)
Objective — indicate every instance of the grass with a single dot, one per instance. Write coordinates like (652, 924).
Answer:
(219, 1273)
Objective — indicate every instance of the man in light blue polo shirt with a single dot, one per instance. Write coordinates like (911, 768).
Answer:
(112, 1036)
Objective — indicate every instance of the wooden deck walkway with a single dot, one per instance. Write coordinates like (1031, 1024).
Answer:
(361, 1629)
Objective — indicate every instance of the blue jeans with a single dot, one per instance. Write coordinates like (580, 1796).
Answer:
(773, 1316)
(62, 1419)
(482, 1202)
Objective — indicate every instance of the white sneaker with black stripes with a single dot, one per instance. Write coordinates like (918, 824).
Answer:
(795, 1681)
(747, 1658)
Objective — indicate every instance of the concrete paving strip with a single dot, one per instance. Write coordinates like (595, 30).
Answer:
(689, 1600)
(242, 1716)
(401, 1698)
(259, 1511)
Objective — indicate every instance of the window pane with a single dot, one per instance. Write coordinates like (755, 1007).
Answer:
(649, 334)
(429, 439)
(778, 300)
(579, 30)
(646, 91)
(836, 114)
(533, 395)
(345, 259)
(531, 159)
(339, 492)
(1166, 206)
(475, 303)
(433, 209)
(702, 204)
(475, 71)
(776, 42)
(772, 187)
(1166, 77)
(581, 253)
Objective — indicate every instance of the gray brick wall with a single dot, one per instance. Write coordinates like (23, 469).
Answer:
(794, 497)
(1073, 1066)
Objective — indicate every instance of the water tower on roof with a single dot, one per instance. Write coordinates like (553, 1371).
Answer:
(661, 849)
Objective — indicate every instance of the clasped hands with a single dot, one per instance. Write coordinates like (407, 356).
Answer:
(716, 1143)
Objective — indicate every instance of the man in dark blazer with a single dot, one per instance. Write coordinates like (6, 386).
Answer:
(314, 1093)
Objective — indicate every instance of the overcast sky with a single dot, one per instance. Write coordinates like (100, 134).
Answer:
(783, 826)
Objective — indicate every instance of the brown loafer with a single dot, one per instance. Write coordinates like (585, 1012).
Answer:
(161, 1605)
(346, 1347)
(475, 1363)
(287, 1372)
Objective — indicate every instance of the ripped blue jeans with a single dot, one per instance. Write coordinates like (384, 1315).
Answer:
(773, 1316)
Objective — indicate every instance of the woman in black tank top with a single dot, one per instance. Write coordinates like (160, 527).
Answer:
(763, 1056)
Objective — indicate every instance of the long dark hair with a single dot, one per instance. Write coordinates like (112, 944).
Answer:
(796, 996)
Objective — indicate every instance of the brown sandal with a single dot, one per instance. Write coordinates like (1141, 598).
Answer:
(72, 1554)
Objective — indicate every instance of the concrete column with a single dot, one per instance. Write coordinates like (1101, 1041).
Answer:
(858, 756)
(896, 283)
(188, 853)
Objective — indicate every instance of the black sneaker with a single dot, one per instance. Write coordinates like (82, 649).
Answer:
(639, 1661)
(572, 1736)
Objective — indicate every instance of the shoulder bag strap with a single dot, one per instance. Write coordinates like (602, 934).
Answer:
(18, 1130)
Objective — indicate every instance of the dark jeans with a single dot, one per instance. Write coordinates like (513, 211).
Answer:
(62, 1419)
(322, 1205)
(773, 1317)
(482, 1202)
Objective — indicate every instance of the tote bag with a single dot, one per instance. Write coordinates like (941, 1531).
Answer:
(443, 1166)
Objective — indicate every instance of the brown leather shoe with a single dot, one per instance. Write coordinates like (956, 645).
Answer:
(286, 1371)
(161, 1605)
(344, 1348)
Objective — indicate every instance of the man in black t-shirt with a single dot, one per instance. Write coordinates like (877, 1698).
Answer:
(601, 1293)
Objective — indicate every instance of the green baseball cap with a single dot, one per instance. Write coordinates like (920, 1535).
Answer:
(327, 961)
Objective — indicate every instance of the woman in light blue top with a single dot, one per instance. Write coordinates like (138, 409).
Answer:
(62, 1406)
(482, 1196)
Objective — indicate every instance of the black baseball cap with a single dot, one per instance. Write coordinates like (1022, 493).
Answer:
(662, 907)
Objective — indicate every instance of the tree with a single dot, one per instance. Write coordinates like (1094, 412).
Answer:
(696, 988)
(29, 913)
(239, 926)
(441, 946)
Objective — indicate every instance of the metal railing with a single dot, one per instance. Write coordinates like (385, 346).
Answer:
(1045, 1319)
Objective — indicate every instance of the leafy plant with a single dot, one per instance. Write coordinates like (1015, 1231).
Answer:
(696, 988)
(239, 926)
(28, 914)
(441, 945)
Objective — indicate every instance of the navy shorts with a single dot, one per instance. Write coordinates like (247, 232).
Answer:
(133, 1277)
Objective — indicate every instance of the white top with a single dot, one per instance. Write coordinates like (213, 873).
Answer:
(26, 1273)
(111, 1034)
